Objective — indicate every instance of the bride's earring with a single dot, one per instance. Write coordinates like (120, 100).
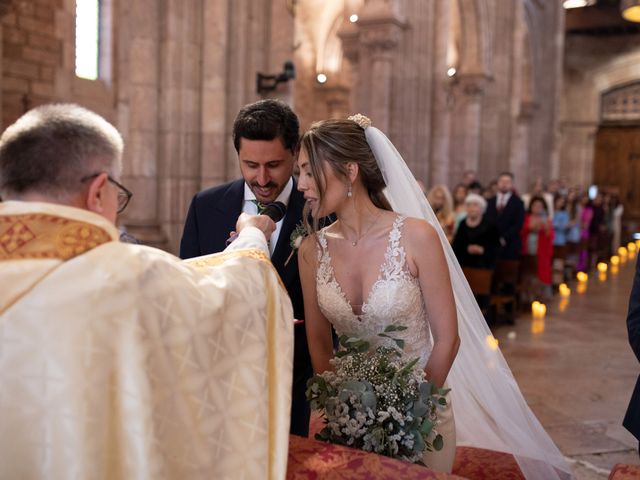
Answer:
(349, 192)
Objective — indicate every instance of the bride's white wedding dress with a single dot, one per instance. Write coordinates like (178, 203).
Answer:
(491, 412)
(395, 298)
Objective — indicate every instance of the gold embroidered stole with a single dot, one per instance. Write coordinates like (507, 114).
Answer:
(38, 235)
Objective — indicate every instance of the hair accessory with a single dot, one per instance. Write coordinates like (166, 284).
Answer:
(363, 121)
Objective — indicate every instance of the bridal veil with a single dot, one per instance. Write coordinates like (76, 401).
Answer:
(490, 410)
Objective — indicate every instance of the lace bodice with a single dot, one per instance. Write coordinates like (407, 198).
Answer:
(394, 299)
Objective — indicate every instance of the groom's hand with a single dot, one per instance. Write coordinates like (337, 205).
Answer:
(262, 222)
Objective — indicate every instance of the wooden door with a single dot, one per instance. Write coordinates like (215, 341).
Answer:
(617, 165)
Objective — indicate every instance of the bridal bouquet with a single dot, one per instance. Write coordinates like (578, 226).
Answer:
(378, 402)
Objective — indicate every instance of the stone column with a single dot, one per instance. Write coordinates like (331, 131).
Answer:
(466, 123)
(137, 107)
(380, 32)
(179, 112)
(214, 140)
(439, 172)
(519, 157)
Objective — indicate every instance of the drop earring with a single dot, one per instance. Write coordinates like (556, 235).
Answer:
(349, 192)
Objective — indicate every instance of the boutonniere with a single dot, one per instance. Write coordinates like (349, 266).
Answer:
(295, 240)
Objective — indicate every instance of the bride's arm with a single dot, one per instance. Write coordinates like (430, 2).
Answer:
(317, 326)
(428, 263)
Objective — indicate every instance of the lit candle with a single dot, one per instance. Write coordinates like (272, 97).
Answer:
(602, 267)
(564, 303)
(538, 310)
(622, 251)
(615, 260)
(537, 326)
(631, 247)
(582, 277)
(564, 290)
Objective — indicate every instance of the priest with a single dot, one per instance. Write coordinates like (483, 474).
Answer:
(118, 360)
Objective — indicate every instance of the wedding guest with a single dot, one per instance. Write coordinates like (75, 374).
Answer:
(477, 240)
(586, 214)
(121, 360)
(617, 210)
(506, 211)
(469, 177)
(561, 229)
(539, 189)
(598, 238)
(537, 241)
(574, 232)
(440, 200)
(265, 136)
(459, 209)
(561, 222)
(491, 190)
(475, 187)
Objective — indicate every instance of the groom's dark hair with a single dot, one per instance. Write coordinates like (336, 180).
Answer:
(267, 120)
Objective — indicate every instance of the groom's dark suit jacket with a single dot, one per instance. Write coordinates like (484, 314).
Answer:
(632, 418)
(212, 215)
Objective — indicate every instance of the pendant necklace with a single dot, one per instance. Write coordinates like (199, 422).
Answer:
(355, 242)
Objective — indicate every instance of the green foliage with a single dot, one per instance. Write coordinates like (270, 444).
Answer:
(376, 400)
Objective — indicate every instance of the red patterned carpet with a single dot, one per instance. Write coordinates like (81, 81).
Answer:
(310, 459)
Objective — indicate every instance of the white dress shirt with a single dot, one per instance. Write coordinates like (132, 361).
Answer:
(252, 209)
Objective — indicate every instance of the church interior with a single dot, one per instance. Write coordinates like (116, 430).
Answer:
(548, 90)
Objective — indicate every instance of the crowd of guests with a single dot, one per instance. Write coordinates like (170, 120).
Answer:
(552, 231)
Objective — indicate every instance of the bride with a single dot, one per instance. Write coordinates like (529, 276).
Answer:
(387, 261)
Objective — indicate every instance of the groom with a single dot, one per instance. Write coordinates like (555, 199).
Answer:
(265, 136)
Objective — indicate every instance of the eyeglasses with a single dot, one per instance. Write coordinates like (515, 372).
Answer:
(124, 195)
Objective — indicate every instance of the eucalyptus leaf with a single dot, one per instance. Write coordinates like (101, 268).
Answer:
(419, 409)
(354, 386)
(369, 399)
(438, 443)
(443, 391)
(399, 342)
(394, 328)
(426, 427)
(425, 390)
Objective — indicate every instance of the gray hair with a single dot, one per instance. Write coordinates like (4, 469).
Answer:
(475, 198)
(52, 147)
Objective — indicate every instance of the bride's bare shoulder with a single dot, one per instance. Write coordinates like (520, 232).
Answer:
(419, 231)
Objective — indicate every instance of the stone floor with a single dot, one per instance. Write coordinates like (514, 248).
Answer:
(577, 372)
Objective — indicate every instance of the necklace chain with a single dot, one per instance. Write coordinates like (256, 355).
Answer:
(355, 242)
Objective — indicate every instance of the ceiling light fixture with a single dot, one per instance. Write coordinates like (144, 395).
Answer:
(577, 3)
(630, 10)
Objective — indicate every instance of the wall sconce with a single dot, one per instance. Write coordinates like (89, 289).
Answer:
(268, 83)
